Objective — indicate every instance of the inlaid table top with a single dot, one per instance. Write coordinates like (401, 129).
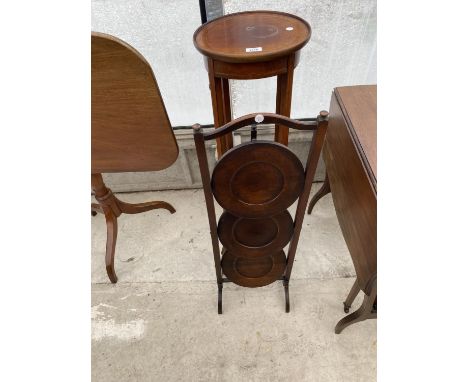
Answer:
(252, 36)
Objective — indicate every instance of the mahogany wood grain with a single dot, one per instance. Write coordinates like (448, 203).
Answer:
(247, 181)
(112, 208)
(310, 170)
(254, 272)
(251, 70)
(130, 129)
(257, 178)
(367, 310)
(359, 106)
(219, 100)
(209, 200)
(354, 196)
(267, 118)
(284, 99)
(227, 38)
(224, 43)
(255, 237)
(350, 158)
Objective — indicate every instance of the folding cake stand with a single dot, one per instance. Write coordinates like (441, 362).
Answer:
(255, 183)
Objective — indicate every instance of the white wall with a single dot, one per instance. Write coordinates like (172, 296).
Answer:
(342, 51)
(162, 31)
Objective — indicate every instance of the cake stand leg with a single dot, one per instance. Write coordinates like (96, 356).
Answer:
(286, 293)
(220, 298)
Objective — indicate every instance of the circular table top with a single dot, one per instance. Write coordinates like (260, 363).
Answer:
(252, 36)
(255, 237)
(257, 179)
(254, 272)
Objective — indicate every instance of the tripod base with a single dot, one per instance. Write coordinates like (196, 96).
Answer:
(112, 208)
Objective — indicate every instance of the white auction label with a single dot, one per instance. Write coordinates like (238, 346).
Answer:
(258, 49)
(259, 118)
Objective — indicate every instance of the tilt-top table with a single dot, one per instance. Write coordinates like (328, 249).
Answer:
(246, 46)
(130, 129)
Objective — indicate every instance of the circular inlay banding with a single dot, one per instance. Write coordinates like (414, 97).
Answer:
(262, 31)
(231, 38)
